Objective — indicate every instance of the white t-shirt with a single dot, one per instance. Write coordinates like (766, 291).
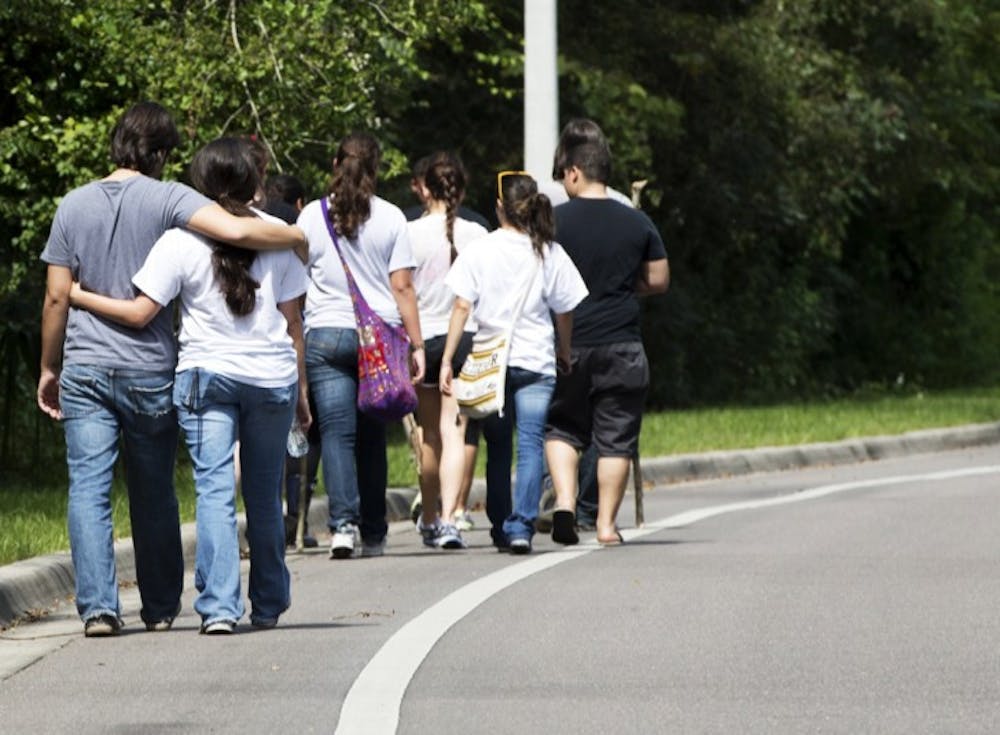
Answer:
(381, 247)
(254, 349)
(492, 272)
(432, 252)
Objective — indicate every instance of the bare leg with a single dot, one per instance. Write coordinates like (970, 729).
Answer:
(468, 474)
(563, 461)
(452, 457)
(428, 416)
(612, 474)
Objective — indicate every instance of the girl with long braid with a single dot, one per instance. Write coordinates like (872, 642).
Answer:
(240, 376)
(487, 278)
(437, 238)
(374, 242)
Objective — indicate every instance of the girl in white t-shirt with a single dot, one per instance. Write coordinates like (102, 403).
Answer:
(375, 243)
(487, 279)
(437, 237)
(240, 376)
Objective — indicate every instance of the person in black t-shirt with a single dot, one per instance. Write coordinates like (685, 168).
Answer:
(599, 401)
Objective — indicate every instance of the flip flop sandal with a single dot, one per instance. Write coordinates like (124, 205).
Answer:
(619, 540)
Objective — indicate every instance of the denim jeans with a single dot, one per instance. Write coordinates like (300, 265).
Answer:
(526, 406)
(214, 412)
(355, 469)
(100, 406)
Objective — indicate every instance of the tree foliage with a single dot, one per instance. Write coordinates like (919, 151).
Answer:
(825, 172)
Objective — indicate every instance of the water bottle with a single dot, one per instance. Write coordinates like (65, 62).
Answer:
(298, 442)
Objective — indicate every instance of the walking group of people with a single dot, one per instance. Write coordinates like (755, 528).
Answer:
(268, 343)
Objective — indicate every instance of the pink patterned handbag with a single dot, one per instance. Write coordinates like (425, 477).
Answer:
(384, 387)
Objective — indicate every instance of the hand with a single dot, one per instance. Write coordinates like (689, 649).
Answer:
(418, 365)
(302, 413)
(74, 293)
(564, 364)
(444, 378)
(48, 394)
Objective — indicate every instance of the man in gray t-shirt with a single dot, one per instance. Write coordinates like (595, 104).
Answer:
(107, 382)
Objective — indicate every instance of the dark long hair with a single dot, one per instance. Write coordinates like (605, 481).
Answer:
(445, 180)
(353, 183)
(224, 170)
(528, 210)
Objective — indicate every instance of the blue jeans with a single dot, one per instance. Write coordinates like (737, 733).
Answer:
(526, 406)
(355, 469)
(100, 406)
(214, 412)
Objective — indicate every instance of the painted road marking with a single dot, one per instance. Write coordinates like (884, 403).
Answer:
(372, 704)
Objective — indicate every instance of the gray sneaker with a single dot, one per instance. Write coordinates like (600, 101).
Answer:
(218, 627)
(376, 548)
(344, 540)
(449, 537)
(520, 545)
(429, 533)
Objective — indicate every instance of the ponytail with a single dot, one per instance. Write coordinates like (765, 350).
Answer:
(224, 171)
(353, 184)
(528, 210)
(445, 180)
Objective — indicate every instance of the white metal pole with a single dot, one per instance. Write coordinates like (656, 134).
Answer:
(541, 88)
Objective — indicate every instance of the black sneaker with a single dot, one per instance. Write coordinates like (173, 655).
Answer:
(163, 624)
(102, 626)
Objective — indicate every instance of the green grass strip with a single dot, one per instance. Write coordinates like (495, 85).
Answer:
(33, 519)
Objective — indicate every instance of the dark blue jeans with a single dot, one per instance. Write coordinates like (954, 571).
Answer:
(100, 407)
(527, 405)
(355, 469)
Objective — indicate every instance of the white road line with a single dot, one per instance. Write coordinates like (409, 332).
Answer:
(372, 704)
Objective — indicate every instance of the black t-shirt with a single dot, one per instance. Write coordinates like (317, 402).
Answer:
(608, 242)
(281, 210)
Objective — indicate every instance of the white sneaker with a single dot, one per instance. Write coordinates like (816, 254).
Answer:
(343, 541)
(463, 521)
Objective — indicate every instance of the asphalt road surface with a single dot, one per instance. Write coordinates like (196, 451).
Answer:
(856, 599)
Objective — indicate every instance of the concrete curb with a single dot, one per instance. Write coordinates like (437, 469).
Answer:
(33, 585)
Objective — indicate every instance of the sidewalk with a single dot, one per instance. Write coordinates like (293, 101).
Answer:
(34, 585)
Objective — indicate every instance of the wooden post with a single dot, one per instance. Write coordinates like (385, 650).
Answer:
(640, 514)
(300, 526)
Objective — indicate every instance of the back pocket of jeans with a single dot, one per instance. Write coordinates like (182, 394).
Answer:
(153, 399)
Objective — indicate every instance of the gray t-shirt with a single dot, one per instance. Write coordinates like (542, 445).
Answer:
(102, 232)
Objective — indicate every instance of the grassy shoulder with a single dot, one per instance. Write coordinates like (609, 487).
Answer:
(33, 519)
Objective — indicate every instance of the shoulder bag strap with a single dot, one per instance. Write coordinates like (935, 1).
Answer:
(522, 299)
(352, 285)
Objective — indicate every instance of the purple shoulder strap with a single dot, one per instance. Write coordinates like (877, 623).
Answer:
(352, 285)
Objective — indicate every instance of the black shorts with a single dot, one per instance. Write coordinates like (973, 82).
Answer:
(600, 402)
(434, 351)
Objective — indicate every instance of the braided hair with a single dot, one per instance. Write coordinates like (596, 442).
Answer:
(445, 180)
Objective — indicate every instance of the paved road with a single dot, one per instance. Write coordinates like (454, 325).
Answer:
(860, 598)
